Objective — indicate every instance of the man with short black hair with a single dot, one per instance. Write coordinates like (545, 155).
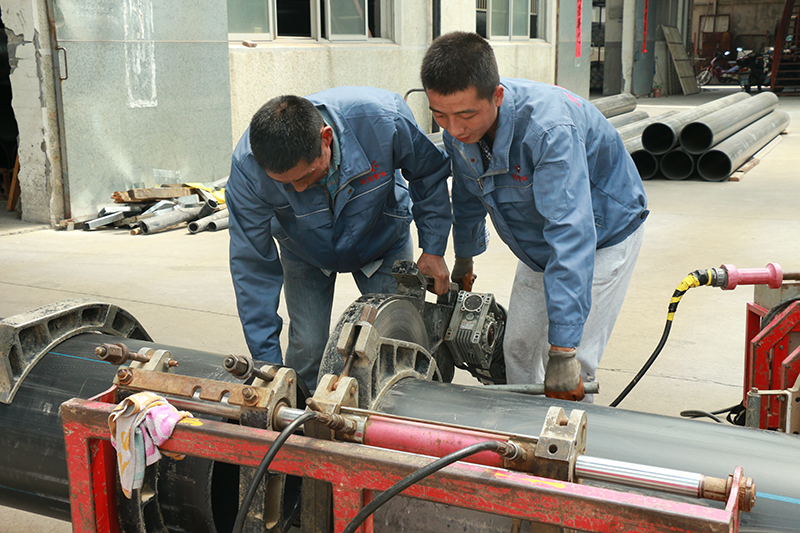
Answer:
(562, 192)
(331, 178)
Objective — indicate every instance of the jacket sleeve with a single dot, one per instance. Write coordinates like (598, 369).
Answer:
(426, 169)
(562, 194)
(255, 265)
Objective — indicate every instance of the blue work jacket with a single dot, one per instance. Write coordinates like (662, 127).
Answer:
(559, 186)
(367, 219)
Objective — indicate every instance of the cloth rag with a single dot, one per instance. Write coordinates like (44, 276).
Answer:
(139, 424)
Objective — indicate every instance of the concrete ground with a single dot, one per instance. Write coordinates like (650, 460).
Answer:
(179, 287)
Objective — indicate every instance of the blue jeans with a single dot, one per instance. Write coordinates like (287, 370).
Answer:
(309, 299)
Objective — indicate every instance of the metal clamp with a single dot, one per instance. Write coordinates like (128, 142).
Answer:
(561, 442)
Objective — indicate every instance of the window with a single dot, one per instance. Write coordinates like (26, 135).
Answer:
(349, 20)
(508, 19)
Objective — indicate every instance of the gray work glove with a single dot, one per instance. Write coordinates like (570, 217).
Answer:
(462, 273)
(562, 377)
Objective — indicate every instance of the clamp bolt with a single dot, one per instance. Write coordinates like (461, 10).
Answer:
(250, 396)
(170, 363)
(125, 375)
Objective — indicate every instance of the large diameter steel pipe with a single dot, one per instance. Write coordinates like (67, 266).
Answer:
(770, 458)
(719, 162)
(702, 134)
(661, 137)
(635, 129)
(611, 106)
(646, 163)
(677, 164)
(628, 118)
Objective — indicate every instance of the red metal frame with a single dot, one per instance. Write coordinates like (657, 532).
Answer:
(768, 363)
(356, 470)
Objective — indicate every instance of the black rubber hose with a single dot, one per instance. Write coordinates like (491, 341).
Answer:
(415, 477)
(264, 466)
(646, 366)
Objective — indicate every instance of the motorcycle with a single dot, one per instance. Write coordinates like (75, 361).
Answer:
(754, 69)
(720, 68)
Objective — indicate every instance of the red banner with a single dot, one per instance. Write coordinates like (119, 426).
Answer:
(578, 27)
(644, 32)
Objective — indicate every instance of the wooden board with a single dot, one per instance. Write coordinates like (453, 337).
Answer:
(683, 66)
(14, 191)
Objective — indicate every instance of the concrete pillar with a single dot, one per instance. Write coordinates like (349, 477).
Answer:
(628, 38)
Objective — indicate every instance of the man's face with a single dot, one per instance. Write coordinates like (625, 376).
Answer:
(465, 116)
(307, 174)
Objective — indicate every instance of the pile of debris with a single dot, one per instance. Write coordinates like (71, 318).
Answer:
(155, 209)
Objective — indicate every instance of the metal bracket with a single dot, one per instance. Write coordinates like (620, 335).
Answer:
(27, 337)
(561, 442)
(789, 408)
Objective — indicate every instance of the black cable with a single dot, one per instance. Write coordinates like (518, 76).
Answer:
(264, 465)
(646, 366)
(777, 309)
(415, 477)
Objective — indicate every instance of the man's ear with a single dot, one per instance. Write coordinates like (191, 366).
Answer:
(326, 134)
(497, 97)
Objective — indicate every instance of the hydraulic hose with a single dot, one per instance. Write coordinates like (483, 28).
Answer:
(415, 477)
(264, 466)
(712, 277)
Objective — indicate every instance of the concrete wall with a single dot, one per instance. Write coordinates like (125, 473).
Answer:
(294, 67)
(33, 99)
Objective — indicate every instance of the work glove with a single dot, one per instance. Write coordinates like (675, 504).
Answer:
(462, 273)
(562, 377)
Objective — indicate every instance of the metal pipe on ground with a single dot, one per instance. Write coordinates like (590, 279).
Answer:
(719, 162)
(611, 106)
(196, 226)
(661, 137)
(677, 164)
(646, 163)
(178, 216)
(218, 224)
(628, 118)
(700, 135)
(635, 129)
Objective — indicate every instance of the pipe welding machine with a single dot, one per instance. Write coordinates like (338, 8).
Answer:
(385, 420)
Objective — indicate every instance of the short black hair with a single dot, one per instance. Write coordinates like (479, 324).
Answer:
(285, 131)
(457, 61)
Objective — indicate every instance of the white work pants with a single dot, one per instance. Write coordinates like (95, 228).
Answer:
(526, 345)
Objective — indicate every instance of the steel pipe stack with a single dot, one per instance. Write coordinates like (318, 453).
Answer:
(718, 163)
(674, 144)
(661, 137)
(700, 135)
(628, 118)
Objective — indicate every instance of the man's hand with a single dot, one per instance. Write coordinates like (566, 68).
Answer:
(562, 377)
(463, 274)
(435, 267)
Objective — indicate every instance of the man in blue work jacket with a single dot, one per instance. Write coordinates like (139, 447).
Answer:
(563, 194)
(329, 178)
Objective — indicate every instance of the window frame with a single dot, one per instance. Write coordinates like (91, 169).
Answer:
(538, 4)
(388, 10)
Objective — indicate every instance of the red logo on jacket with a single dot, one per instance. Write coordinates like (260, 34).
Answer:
(516, 175)
(375, 174)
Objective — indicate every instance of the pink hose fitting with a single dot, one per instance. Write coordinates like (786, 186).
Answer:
(771, 275)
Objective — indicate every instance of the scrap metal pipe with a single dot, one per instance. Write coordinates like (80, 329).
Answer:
(661, 137)
(216, 225)
(770, 458)
(628, 118)
(178, 216)
(719, 162)
(702, 134)
(611, 106)
(634, 130)
(677, 164)
(196, 226)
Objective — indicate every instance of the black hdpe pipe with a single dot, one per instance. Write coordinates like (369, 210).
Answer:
(646, 163)
(769, 457)
(194, 494)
